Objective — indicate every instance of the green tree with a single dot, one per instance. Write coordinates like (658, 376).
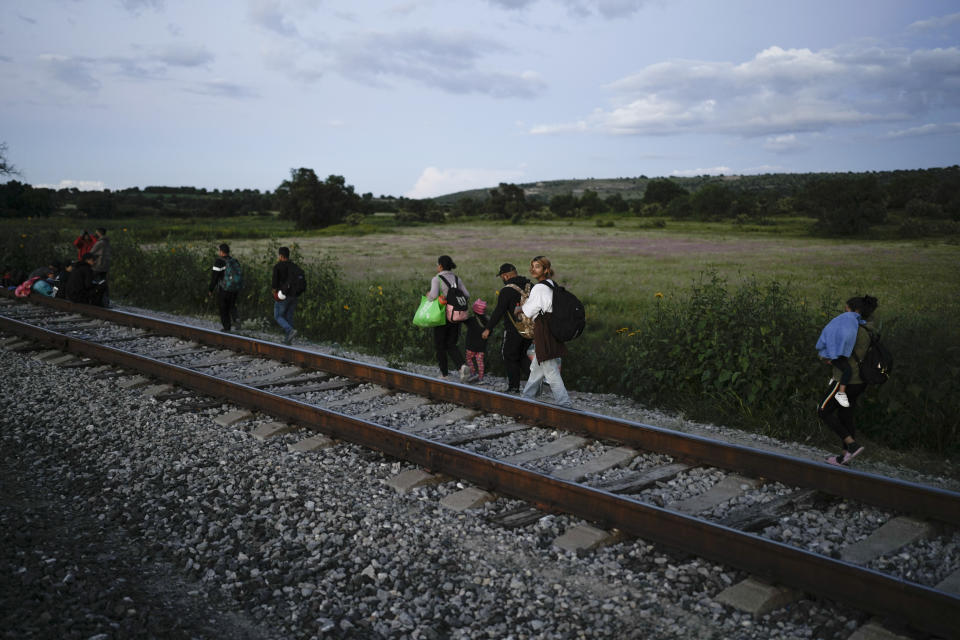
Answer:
(563, 205)
(312, 204)
(844, 205)
(662, 191)
(712, 202)
(507, 200)
(616, 203)
(590, 203)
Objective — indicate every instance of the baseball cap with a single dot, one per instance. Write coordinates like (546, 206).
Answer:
(506, 267)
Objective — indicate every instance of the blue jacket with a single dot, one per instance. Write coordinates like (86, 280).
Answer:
(839, 336)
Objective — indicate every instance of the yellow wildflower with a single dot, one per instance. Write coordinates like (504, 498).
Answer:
(623, 329)
(347, 307)
(658, 295)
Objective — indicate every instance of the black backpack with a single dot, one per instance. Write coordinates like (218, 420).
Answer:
(296, 280)
(877, 362)
(457, 301)
(568, 317)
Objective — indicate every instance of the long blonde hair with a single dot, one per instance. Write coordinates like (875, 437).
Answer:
(545, 263)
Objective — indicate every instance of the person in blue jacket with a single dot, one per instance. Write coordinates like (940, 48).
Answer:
(842, 344)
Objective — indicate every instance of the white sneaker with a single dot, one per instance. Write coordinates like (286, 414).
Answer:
(842, 399)
(464, 372)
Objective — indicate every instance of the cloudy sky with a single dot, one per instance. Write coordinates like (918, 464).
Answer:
(426, 97)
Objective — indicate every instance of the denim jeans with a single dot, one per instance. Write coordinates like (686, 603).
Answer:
(283, 313)
(548, 372)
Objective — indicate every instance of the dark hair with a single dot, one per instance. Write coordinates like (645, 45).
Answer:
(447, 263)
(284, 251)
(225, 248)
(87, 256)
(101, 231)
(864, 305)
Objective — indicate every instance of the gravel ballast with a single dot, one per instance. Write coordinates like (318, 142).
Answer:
(124, 518)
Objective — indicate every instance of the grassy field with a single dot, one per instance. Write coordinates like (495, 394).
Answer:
(715, 320)
(623, 267)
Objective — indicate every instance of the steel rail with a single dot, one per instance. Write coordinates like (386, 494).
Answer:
(881, 491)
(922, 607)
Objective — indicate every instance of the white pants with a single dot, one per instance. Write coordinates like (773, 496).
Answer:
(548, 372)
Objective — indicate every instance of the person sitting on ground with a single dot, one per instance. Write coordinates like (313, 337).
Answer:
(80, 286)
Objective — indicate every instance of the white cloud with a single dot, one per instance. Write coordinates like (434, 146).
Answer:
(712, 171)
(74, 72)
(445, 60)
(942, 129)
(942, 22)
(82, 185)
(582, 8)
(778, 92)
(783, 143)
(437, 182)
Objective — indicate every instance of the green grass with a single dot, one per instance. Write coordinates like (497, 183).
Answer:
(735, 346)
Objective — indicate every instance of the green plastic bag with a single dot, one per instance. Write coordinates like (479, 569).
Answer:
(430, 313)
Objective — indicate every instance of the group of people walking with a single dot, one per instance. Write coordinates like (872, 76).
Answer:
(528, 348)
(537, 356)
(287, 283)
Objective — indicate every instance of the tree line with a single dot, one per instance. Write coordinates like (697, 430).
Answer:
(924, 201)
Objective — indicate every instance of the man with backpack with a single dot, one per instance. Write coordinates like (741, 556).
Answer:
(513, 350)
(546, 350)
(226, 278)
(288, 284)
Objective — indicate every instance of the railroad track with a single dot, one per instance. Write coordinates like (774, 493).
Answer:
(508, 446)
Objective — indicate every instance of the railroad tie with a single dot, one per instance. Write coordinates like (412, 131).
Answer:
(611, 458)
(454, 415)
(364, 396)
(757, 597)
(404, 405)
(233, 417)
(548, 450)
(730, 487)
(875, 630)
(585, 537)
(313, 443)
(468, 498)
(894, 534)
(407, 481)
(272, 429)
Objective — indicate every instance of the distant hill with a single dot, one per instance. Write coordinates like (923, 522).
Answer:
(633, 188)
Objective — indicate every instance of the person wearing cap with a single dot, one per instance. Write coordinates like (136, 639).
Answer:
(476, 343)
(513, 350)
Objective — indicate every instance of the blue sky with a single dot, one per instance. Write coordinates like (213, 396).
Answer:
(427, 97)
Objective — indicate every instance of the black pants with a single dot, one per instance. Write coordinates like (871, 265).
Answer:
(515, 360)
(101, 296)
(445, 339)
(841, 419)
(227, 303)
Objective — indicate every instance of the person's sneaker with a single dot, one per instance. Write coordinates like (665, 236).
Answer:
(290, 336)
(850, 454)
(842, 399)
(838, 460)
(464, 372)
